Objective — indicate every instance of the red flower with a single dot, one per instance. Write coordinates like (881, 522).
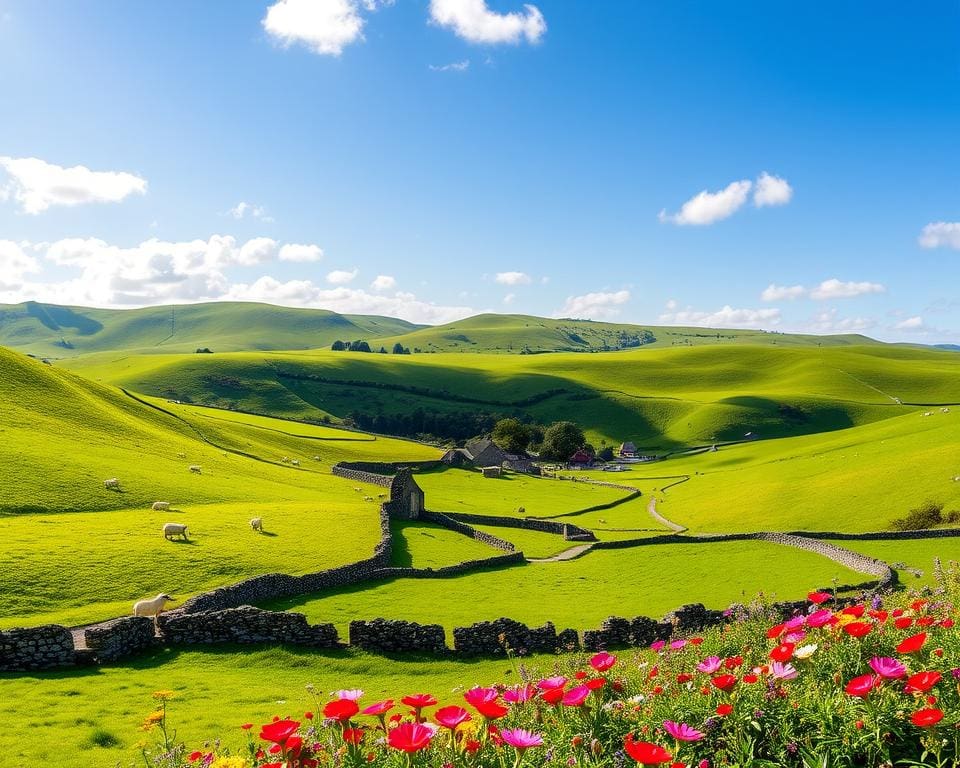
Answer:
(925, 621)
(684, 677)
(410, 737)
(352, 735)
(308, 715)
(596, 683)
(733, 662)
(782, 652)
(419, 700)
(724, 682)
(860, 686)
(451, 717)
(471, 746)
(819, 597)
(603, 661)
(695, 640)
(576, 696)
(340, 709)
(903, 622)
(379, 708)
(854, 610)
(857, 628)
(279, 731)
(912, 644)
(924, 718)
(776, 631)
(491, 710)
(724, 709)
(194, 756)
(580, 675)
(552, 695)
(646, 753)
(880, 616)
(946, 623)
(750, 679)
(247, 726)
(921, 682)
(918, 604)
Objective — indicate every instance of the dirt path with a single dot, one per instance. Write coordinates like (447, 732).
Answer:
(567, 554)
(652, 510)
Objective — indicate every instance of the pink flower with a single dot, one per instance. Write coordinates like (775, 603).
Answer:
(519, 694)
(521, 739)
(451, 717)
(795, 623)
(552, 682)
(576, 696)
(480, 696)
(682, 731)
(819, 618)
(709, 665)
(603, 661)
(782, 671)
(676, 645)
(795, 636)
(349, 695)
(657, 645)
(378, 708)
(887, 667)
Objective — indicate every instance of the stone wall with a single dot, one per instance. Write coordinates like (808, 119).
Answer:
(569, 531)
(492, 638)
(245, 624)
(360, 476)
(387, 636)
(120, 638)
(42, 647)
(447, 521)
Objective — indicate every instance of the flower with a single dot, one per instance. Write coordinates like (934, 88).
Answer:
(552, 682)
(676, 645)
(352, 735)
(279, 731)
(451, 717)
(519, 694)
(646, 753)
(924, 718)
(576, 696)
(340, 709)
(419, 700)
(819, 598)
(378, 708)
(902, 622)
(724, 682)
(682, 731)
(860, 686)
(857, 628)
(603, 661)
(521, 739)
(805, 651)
(657, 645)
(887, 667)
(782, 652)
(921, 682)
(478, 696)
(819, 618)
(352, 694)
(709, 665)
(912, 644)
(782, 671)
(491, 710)
(724, 709)
(410, 737)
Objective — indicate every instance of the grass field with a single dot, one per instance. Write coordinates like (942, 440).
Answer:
(917, 555)
(425, 545)
(581, 593)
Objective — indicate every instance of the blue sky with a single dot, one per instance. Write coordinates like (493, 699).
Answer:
(431, 159)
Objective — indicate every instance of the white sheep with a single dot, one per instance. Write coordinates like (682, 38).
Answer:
(151, 607)
(368, 498)
(195, 468)
(257, 524)
(113, 484)
(285, 460)
(174, 529)
(160, 506)
(316, 458)
(295, 462)
(358, 489)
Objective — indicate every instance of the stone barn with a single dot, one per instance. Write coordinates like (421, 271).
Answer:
(406, 497)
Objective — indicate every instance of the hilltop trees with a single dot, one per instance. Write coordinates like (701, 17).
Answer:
(561, 440)
(511, 435)
(352, 346)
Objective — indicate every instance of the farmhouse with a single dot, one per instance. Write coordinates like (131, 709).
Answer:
(582, 458)
(627, 451)
(485, 453)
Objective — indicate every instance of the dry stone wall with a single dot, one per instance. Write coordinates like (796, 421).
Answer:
(467, 530)
(246, 624)
(43, 647)
(569, 531)
(120, 638)
(387, 636)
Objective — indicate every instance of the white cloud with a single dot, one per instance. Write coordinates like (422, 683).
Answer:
(837, 289)
(242, 209)
(594, 305)
(771, 190)
(14, 264)
(456, 66)
(324, 26)
(512, 278)
(941, 234)
(725, 317)
(709, 207)
(828, 321)
(37, 185)
(383, 283)
(300, 252)
(780, 292)
(257, 251)
(508, 299)
(911, 324)
(341, 276)
(473, 21)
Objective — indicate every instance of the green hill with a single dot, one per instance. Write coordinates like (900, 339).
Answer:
(54, 331)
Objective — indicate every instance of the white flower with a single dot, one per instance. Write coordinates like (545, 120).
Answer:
(805, 651)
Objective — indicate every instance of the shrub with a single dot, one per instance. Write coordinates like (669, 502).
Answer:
(927, 515)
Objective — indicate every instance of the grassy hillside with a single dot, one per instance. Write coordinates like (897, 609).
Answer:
(53, 331)
(660, 398)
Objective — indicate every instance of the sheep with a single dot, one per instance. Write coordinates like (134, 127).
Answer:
(358, 490)
(113, 484)
(285, 460)
(151, 607)
(174, 529)
(381, 495)
(295, 462)
(181, 455)
(368, 498)
(195, 468)
(316, 458)
(160, 506)
(257, 524)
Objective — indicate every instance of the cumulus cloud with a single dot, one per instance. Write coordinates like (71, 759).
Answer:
(383, 283)
(508, 299)
(837, 289)
(456, 66)
(941, 234)
(14, 265)
(725, 317)
(771, 190)
(828, 321)
(780, 292)
(325, 27)
(37, 185)
(911, 324)
(257, 251)
(242, 209)
(341, 276)
(594, 306)
(300, 252)
(513, 278)
(473, 21)
(709, 207)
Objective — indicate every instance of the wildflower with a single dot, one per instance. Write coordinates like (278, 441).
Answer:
(521, 739)
(552, 682)
(903, 622)
(657, 645)
(682, 731)
(479, 696)
(676, 645)
(921, 682)
(552, 695)
(782, 652)
(352, 735)
(451, 717)
(887, 667)
(724, 682)
(163, 695)
(912, 644)
(724, 709)
(519, 694)
(279, 731)
(353, 694)
(709, 665)
(646, 753)
(410, 737)
(861, 686)
(603, 661)
(805, 651)
(733, 662)
(576, 696)
(419, 700)
(247, 726)
(491, 710)
(924, 718)
(818, 598)
(820, 618)
(341, 710)
(379, 708)
(858, 628)
(782, 671)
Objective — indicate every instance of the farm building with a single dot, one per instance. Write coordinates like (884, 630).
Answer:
(582, 458)
(492, 472)
(627, 451)
(486, 453)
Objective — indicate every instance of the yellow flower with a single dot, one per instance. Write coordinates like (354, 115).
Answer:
(154, 717)
(230, 762)
(163, 695)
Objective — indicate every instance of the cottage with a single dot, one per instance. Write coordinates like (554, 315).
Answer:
(492, 472)
(485, 453)
(581, 457)
(627, 451)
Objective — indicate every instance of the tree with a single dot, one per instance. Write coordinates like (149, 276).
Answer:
(561, 440)
(338, 346)
(359, 346)
(398, 348)
(511, 435)
(383, 350)
(606, 454)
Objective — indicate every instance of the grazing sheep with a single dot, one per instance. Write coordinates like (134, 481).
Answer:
(285, 460)
(181, 455)
(151, 607)
(381, 495)
(174, 529)
(195, 468)
(316, 458)
(160, 506)
(358, 489)
(368, 498)
(944, 410)
(295, 462)
(112, 484)
(257, 524)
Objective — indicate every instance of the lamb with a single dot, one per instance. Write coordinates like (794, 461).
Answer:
(295, 462)
(160, 506)
(285, 460)
(257, 524)
(316, 458)
(151, 607)
(174, 529)
(113, 484)
(195, 468)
